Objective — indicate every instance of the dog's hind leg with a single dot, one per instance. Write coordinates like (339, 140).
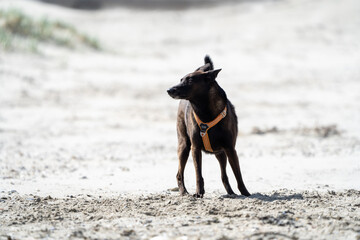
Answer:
(234, 163)
(183, 154)
(197, 159)
(221, 157)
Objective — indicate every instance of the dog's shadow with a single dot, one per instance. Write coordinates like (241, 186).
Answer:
(268, 198)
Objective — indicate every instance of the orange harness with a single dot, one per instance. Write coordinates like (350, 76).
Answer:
(204, 127)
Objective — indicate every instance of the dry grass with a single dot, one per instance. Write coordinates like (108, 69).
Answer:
(19, 31)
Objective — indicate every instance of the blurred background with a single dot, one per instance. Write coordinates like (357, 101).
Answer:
(154, 4)
(83, 103)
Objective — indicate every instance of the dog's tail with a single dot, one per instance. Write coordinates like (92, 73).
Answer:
(208, 60)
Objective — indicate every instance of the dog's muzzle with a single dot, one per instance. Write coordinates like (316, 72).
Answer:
(171, 91)
(175, 92)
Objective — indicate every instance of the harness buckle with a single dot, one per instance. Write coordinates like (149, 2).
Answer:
(203, 128)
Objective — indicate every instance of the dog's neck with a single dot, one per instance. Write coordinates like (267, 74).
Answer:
(208, 106)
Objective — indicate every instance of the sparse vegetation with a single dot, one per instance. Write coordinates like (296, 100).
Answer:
(19, 31)
(319, 131)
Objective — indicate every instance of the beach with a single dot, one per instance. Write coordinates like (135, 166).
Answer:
(88, 146)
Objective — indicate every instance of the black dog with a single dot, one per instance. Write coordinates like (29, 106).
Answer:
(206, 121)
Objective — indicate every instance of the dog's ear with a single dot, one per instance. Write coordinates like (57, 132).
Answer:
(207, 66)
(211, 75)
(208, 60)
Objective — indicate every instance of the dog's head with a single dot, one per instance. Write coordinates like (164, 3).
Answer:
(196, 83)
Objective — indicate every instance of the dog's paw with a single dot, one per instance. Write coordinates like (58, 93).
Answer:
(246, 193)
(198, 195)
(184, 193)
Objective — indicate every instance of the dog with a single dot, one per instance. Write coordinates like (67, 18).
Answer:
(206, 121)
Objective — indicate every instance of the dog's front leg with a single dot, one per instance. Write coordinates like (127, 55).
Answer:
(234, 163)
(183, 153)
(197, 158)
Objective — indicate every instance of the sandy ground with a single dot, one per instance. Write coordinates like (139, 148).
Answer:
(88, 142)
(282, 214)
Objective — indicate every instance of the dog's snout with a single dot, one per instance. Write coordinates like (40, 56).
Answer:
(177, 92)
(171, 90)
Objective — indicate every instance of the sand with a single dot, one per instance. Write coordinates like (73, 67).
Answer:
(88, 140)
(281, 214)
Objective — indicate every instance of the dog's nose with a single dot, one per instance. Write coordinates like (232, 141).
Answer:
(171, 90)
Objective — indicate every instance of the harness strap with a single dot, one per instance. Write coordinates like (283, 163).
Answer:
(204, 127)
